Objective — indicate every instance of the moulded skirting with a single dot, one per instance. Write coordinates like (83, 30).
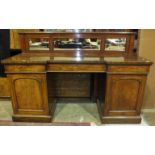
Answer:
(121, 120)
(31, 118)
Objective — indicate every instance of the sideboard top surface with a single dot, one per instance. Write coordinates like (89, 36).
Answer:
(27, 58)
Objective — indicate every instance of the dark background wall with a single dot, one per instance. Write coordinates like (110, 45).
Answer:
(4, 47)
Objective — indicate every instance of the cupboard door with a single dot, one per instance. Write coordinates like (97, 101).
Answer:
(124, 95)
(29, 94)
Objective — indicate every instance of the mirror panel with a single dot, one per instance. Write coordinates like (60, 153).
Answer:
(115, 44)
(38, 44)
(77, 44)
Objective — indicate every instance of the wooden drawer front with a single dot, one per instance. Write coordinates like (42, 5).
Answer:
(24, 68)
(128, 69)
(76, 68)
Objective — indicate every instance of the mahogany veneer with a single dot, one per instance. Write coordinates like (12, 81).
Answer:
(121, 101)
(118, 79)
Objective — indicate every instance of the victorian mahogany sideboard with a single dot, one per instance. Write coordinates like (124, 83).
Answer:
(119, 75)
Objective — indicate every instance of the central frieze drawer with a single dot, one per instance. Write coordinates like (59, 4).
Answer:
(76, 68)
